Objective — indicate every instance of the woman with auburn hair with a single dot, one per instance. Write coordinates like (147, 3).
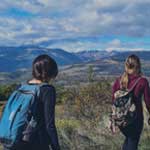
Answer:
(131, 75)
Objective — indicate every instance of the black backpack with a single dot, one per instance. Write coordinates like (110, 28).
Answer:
(124, 109)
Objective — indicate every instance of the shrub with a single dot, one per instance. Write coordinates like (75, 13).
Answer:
(6, 90)
(66, 95)
(93, 101)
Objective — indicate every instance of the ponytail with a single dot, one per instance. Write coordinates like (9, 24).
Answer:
(124, 80)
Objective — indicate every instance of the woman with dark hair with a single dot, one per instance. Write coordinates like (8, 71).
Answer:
(43, 70)
(131, 75)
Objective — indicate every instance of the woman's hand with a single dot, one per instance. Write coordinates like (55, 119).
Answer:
(112, 127)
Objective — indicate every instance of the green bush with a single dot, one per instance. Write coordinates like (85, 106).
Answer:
(6, 90)
(66, 94)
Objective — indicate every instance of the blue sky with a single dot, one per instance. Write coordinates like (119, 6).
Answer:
(76, 25)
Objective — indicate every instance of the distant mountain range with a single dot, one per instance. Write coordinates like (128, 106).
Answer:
(20, 58)
(16, 58)
(113, 55)
(93, 55)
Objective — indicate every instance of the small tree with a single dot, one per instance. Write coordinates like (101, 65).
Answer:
(90, 74)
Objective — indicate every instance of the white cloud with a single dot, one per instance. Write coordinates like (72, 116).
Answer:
(42, 39)
(58, 19)
(78, 46)
(113, 45)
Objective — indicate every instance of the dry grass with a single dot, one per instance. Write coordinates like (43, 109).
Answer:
(82, 117)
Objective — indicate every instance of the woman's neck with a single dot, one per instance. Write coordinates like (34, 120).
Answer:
(35, 81)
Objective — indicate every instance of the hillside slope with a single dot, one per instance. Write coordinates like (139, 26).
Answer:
(20, 58)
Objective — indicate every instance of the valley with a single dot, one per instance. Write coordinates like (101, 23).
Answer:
(16, 62)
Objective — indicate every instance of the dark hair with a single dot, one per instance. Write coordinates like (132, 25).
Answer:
(44, 68)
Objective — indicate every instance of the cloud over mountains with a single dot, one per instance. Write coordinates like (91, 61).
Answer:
(90, 24)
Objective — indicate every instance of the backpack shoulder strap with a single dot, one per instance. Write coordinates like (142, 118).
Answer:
(39, 86)
(33, 88)
(136, 82)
